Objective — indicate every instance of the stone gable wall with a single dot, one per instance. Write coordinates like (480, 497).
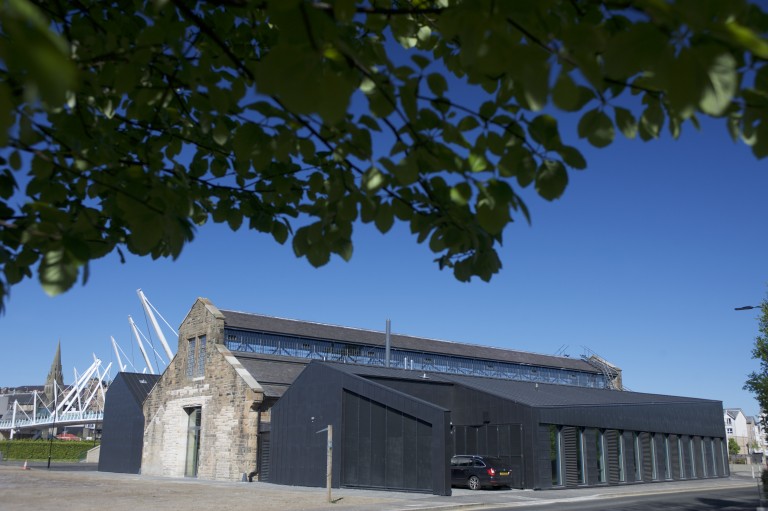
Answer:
(229, 423)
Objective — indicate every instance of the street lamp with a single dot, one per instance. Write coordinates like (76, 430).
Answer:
(746, 307)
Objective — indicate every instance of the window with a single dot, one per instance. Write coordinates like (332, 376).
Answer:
(681, 457)
(693, 457)
(191, 352)
(196, 357)
(580, 462)
(638, 458)
(554, 454)
(622, 475)
(600, 451)
(729, 431)
(654, 471)
(193, 441)
(667, 464)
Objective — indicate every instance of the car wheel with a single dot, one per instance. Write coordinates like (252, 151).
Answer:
(474, 483)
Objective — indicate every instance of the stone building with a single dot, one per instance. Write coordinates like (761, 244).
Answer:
(204, 388)
(246, 395)
(208, 416)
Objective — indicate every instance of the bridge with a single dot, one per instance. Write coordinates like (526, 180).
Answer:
(76, 405)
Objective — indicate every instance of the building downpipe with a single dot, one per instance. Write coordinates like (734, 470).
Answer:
(387, 345)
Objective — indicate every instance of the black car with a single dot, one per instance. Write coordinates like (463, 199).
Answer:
(477, 471)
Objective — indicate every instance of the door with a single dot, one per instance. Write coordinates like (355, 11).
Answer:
(193, 441)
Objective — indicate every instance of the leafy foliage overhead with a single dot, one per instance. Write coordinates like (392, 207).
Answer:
(127, 124)
(757, 382)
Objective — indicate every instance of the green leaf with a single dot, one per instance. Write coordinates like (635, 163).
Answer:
(280, 232)
(568, 96)
(651, 121)
(597, 128)
(468, 123)
(461, 194)
(639, 47)
(408, 93)
(572, 157)
(437, 84)
(760, 146)
(477, 162)
(369, 122)
(492, 216)
(421, 61)
(58, 272)
(543, 129)
(747, 38)
(626, 122)
(220, 133)
(385, 218)
(722, 84)
(15, 160)
(551, 179)
(344, 10)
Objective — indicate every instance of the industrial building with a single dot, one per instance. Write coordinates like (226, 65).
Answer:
(246, 394)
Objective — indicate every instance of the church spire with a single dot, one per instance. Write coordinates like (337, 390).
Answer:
(54, 375)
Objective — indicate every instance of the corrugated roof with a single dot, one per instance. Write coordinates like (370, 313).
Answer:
(261, 323)
(528, 393)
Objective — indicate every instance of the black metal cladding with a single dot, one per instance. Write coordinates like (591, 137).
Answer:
(382, 438)
(123, 428)
(403, 461)
(381, 406)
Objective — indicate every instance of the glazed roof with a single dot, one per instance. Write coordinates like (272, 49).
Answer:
(321, 331)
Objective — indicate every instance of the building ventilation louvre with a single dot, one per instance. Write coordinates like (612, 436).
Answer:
(571, 462)
(612, 443)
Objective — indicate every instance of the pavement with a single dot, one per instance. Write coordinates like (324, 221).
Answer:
(78, 486)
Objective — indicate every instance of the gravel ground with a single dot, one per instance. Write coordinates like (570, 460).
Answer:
(69, 489)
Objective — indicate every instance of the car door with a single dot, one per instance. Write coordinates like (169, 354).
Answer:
(460, 469)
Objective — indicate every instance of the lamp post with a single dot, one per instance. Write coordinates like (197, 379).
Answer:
(50, 437)
(746, 307)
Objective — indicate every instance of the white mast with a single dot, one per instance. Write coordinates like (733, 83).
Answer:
(141, 346)
(120, 365)
(152, 318)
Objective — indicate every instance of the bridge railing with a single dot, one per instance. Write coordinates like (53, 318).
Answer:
(73, 417)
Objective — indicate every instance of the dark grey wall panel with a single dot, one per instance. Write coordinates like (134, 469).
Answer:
(703, 419)
(371, 423)
(122, 437)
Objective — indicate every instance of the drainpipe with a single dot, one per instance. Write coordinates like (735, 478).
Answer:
(387, 345)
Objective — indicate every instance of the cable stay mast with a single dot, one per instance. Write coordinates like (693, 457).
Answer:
(141, 346)
(149, 308)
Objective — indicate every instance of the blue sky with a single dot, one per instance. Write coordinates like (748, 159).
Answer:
(641, 261)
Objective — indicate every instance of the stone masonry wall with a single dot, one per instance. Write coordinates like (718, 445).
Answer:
(228, 430)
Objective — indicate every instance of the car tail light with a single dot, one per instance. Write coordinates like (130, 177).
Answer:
(491, 472)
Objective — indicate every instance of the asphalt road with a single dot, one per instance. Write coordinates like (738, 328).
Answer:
(726, 499)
